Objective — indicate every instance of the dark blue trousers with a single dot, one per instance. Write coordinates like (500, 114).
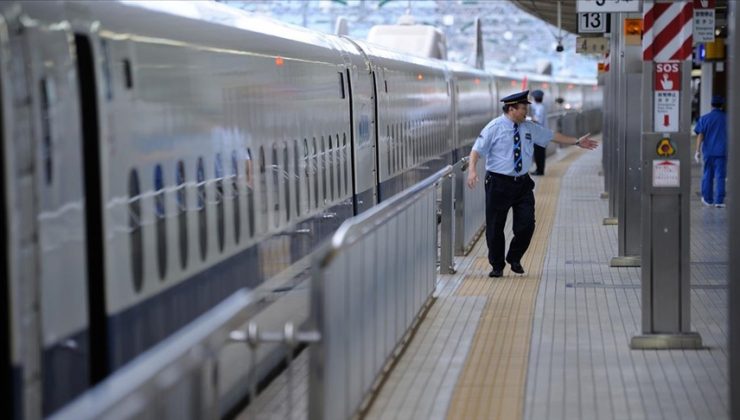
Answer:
(715, 169)
(504, 193)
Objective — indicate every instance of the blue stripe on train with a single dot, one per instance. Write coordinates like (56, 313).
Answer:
(138, 328)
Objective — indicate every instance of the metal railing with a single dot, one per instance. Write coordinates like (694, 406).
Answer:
(470, 208)
(177, 379)
(370, 286)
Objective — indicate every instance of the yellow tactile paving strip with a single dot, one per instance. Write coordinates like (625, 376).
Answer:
(492, 383)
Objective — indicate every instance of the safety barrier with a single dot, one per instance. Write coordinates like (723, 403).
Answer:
(370, 286)
(177, 379)
(470, 208)
(576, 123)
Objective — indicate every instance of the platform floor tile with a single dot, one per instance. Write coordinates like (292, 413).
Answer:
(581, 366)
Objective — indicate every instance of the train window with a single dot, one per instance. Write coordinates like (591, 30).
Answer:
(307, 174)
(402, 144)
(127, 74)
(182, 214)
(405, 145)
(418, 140)
(134, 223)
(48, 153)
(275, 186)
(297, 178)
(411, 135)
(161, 221)
(218, 172)
(388, 146)
(339, 165)
(394, 148)
(341, 85)
(429, 125)
(235, 196)
(250, 192)
(200, 177)
(330, 167)
(263, 190)
(323, 169)
(345, 158)
(286, 184)
(315, 174)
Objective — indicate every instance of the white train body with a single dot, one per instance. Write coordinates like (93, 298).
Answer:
(154, 163)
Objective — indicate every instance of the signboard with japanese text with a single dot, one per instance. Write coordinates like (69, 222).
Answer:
(591, 45)
(704, 21)
(666, 173)
(665, 118)
(607, 6)
(667, 97)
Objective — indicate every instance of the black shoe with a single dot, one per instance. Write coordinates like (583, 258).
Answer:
(517, 268)
(496, 272)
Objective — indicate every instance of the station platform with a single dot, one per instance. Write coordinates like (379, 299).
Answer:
(553, 343)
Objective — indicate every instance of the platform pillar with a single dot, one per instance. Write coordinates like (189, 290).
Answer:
(666, 188)
(629, 131)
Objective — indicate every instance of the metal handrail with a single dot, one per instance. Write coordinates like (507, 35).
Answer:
(137, 388)
(355, 227)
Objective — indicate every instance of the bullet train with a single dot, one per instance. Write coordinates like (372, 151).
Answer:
(154, 161)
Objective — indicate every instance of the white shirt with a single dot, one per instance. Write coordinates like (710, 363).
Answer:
(539, 113)
(496, 144)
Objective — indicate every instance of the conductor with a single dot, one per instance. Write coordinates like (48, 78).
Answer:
(507, 144)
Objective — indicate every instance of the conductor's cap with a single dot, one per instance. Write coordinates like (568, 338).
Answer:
(516, 98)
(538, 95)
(718, 100)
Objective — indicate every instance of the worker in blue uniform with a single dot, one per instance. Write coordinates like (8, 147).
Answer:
(711, 142)
(507, 145)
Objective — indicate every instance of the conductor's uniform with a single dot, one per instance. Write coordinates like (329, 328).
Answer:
(508, 148)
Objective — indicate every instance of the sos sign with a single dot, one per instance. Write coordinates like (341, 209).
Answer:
(667, 76)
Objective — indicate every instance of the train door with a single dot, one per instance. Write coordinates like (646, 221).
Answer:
(92, 190)
(364, 139)
(454, 94)
(48, 291)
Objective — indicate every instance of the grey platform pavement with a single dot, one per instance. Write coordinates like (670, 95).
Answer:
(580, 364)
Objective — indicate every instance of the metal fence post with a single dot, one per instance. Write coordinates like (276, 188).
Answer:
(447, 263)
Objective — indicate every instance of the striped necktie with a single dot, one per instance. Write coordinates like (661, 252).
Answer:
(517, 150)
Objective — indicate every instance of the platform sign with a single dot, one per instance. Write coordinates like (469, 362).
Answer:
(667, 76)
(593, 23)
(591, 45)
(703, 21)
(667, 97)
(666, 173)
(665, 117)
(607, 6)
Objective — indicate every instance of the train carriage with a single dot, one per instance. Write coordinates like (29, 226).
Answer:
(154, 161)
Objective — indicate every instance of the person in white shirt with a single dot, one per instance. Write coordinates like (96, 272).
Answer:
(539, 115)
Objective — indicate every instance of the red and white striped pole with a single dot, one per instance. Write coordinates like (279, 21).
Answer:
(668, 29)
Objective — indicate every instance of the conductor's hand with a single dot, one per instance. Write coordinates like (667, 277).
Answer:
(472, 178)
(697, 157)
(587, 142)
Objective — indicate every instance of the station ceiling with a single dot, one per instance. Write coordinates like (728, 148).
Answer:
(547, 10)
